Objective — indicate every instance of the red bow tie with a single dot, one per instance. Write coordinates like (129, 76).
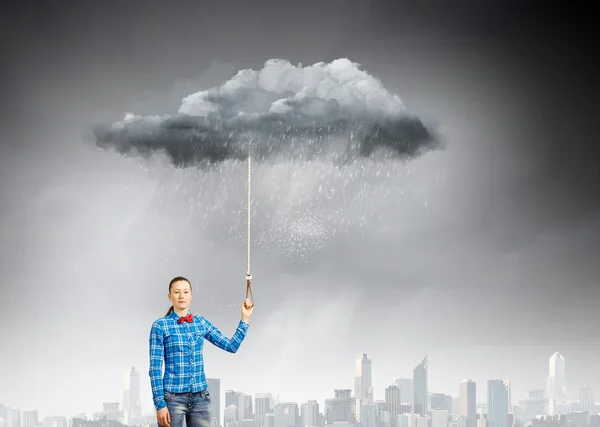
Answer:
(189, 318)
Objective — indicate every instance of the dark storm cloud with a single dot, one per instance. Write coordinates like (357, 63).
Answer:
(286, 111)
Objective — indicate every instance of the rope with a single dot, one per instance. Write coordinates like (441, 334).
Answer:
(248, 275)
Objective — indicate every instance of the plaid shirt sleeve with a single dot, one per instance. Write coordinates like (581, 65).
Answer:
(157, 352)
(232, 344)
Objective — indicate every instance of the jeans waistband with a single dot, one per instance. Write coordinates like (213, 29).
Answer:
(201, 393)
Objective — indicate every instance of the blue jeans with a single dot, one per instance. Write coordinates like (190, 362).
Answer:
(194, 408)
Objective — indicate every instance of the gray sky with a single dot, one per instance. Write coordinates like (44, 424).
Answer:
(482, 255)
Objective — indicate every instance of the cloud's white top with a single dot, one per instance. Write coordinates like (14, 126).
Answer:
(280, 87)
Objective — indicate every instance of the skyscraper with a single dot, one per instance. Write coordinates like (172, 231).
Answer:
(245, 409)
(230, 415)
(420, 388)
(509, 398)
(214, 388)
(339, 408)
(455, 408)
(497, 404)
(556, 386)
(132, 403)
(392, 398)
(111, 411)
(232, 398)
(468, 402)
(286, 414)
(262, 403)
(586, 398)
(309, 413)
(363, 386)
(370, 415)
(29, 418)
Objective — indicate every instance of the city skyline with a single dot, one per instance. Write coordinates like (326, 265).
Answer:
(482, 393)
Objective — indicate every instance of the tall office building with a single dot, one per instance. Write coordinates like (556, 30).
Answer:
(3, 411)
(309, 413)
(214, 388)
(232, 398)
(262, 407)
(556, 385)
(363, 386)
(246, 411)
(230, 415)
(340, 408)
(497, 404)
(11, 416)
(29, 418)
(455, 407)
(392, 398)
(586, 398)
(132, 402)
(421, 389)
(286, 414)
(509, 396)
(370, 415)
(111, 411)
(468, 402)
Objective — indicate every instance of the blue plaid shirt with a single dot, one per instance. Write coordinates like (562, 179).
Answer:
(179, 346)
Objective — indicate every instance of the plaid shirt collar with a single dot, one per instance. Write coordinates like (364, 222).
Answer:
(176, 316)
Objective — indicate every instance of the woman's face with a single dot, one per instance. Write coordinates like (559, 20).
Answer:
(181, 295)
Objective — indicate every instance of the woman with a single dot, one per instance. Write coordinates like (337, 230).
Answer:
(177, 340)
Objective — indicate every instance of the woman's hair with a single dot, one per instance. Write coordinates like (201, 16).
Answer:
(176, 279)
